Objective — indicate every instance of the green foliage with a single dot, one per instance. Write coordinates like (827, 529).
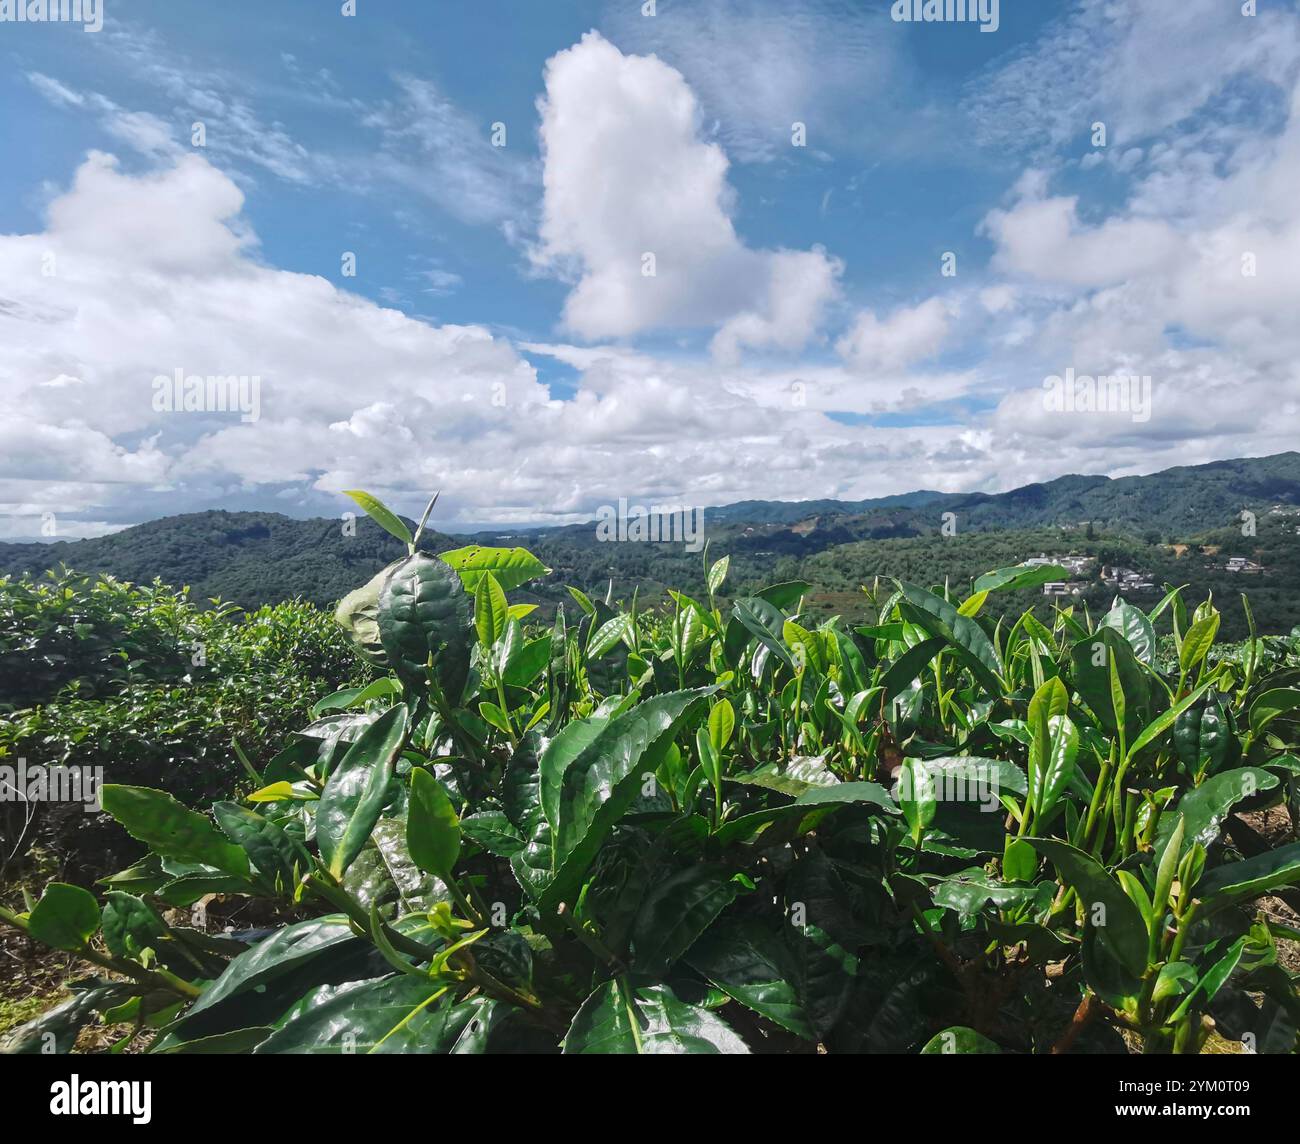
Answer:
(155, 691)
(722, 828)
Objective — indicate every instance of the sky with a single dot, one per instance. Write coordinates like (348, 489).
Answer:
(542, 257)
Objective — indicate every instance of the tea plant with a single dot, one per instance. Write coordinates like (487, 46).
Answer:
(722, 828)
(142, 682)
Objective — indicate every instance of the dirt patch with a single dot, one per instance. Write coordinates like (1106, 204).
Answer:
(1273, 824)
(32, 979)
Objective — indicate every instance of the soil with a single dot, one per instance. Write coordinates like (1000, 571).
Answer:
(1274, 825)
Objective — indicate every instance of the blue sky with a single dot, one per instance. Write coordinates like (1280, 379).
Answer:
(500, 339)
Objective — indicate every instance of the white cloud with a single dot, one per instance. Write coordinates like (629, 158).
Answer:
(786, 318)
(54, 91)
(157, 272)
(354, 395)
(160, 271)
(236, 133)
(906, 336)
(1140, 68)
(1043, 238)
(760, 67)
(1192, 283)
(629, 178)
(136, 276)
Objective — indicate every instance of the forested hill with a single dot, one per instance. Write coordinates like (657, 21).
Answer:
(248, 557)
(257, 557)
(1173, 501)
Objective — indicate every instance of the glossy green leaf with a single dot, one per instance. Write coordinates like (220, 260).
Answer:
(512, 567)
(722, 724)
(917, 796)
(676, 912)
(1092, 658)
(961, 633)
(616, 1019)
(908, 666)
(527, 662)
(172, 830)
(1108, 911)
(611, 633)
(958, 1040)
(1206, 807)
(864, 792)
(491, 610)
(796, 777)
(432, 827)
(1271, 705)
(284, 951)
(55, 1030)
(1133, 625)
(492, 830)
(425, 614)
(1057, 769)
(763, 621)
(1203, 737)
(784, 596)
(401, 1014)
(1020, 576)
(354, 797)
(381, 514)
(753, 966)
(600, 782)
(66, 917)
(718, 573)
(1240, 881)
(130, 924)
(274, 854)
(1197, 641)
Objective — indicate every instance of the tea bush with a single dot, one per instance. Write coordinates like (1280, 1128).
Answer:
(722, 829)
(143, 683)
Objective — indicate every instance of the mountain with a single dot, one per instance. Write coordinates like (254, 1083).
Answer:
(248, 557)
(257, 557)
(1173, 501)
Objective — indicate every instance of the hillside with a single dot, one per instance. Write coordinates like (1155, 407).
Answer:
(257, 557)
(248, 557)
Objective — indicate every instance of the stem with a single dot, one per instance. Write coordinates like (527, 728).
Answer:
(1184, 928)
(158, 979)
(340, 899)
(463, 902)
(1088, 1008)
(1094, 807)
(505, 711)
(596, 947)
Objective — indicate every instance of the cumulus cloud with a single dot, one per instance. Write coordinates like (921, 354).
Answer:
(905, 336)
(637, 209)
(1192, 283)
(136, 275)
(1043, 238)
